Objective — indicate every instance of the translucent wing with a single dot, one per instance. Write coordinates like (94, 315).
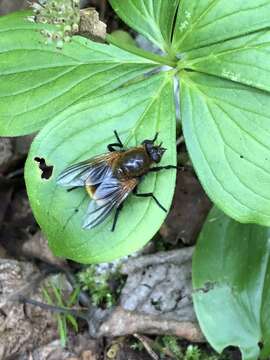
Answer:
(89, 172)
(109, 195)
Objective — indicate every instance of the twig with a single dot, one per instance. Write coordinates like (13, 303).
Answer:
(147, 346)
(82, 314)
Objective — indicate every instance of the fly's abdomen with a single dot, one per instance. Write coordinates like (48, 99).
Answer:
(133, 163)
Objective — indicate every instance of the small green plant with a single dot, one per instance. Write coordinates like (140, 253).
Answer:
(171, 343)
(193, 353)
(171, 346)
(53, 296)
(137, 345)
(104, 287)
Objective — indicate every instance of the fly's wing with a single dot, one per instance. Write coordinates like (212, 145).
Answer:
(109, 195)
(89, 172)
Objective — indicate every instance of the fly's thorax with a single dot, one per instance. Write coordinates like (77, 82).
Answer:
(132, 163)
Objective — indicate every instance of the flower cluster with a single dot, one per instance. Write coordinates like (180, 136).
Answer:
(64, 14)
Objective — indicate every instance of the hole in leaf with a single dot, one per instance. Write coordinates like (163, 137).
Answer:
(46, 170)
(232, 352)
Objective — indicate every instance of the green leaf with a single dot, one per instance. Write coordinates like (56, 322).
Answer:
(201, 23)
(231, 274)
(227, 129)
(62, 329)
(136, 112)
(58, 295)
(46, 295)
(152, 18)
(244, 60)
(72, 320)
(38, 81)
(73, 299)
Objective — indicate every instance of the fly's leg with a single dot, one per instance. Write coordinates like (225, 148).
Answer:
(73, 188)
(118, 139)
(155, 138)
(149, 195)
(118, 209)
(111, 147)
(166, 167)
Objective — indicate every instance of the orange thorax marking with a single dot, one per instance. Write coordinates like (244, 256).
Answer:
(91, 189)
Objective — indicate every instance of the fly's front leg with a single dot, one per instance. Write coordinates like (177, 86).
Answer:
(149, 195)
(119, 144)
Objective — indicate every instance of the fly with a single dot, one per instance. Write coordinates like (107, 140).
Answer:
(111, 177)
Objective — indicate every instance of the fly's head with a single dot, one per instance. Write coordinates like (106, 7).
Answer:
(154, 151)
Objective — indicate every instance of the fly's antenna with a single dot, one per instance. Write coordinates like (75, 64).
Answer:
(160, 144)
(155, 138)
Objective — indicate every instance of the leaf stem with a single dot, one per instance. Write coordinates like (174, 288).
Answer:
(164, 60)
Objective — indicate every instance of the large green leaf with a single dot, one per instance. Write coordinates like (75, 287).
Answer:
(152, 18)
(204, 22)
(137, 112)
(244, 60)
(231, 272)
(38, 81)
(227, 130)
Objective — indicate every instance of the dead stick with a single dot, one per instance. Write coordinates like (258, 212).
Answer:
(147, 346)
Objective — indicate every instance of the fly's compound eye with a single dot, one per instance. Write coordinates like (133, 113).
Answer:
(155, 156)
(156, 153)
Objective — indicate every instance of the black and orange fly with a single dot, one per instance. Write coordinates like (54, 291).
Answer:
(109, 178)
